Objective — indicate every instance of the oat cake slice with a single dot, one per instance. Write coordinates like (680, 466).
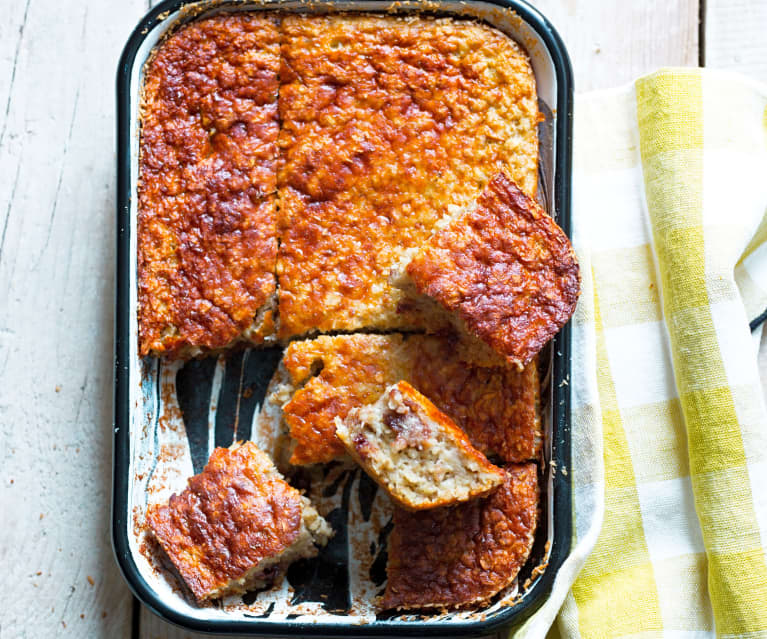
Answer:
(504, 268)
(415, 452)
(236, 525)
(207, 237)
(456, 556)
(386, 120)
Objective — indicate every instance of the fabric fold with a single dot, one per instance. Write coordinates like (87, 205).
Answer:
(670, 222)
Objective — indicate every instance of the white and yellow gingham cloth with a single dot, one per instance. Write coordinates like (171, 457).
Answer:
(669, 422)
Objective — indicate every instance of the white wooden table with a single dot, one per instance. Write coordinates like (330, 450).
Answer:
(57, 229)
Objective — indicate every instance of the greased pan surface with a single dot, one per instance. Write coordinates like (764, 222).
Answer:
(168, 417)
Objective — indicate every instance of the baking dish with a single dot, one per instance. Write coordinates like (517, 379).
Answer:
(169, 416)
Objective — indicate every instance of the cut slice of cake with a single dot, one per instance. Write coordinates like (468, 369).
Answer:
(415, 452)
(207, 174)
(493, 402)
(504, 268)
(237, 525)
(456, 556)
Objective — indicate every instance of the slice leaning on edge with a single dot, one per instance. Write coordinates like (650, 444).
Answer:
(504, 268)
(415, 452)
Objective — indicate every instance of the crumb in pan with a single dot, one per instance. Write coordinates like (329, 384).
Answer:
(237, 525)
(207, 239)
(384, 122)
(415, 452)
(505, 269)
(494, 403)
(461, 555)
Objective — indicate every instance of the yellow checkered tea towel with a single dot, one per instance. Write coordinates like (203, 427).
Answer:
(669, 422)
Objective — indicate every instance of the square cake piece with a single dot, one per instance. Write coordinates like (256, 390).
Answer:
(385, 121)
(207, 236)
(237, 524)
(456, 556)
(494, 403)
(415, 452)
(504, 268)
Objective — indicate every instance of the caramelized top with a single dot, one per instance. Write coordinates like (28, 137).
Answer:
(385, 121)
(234, 514)
(206, 213)
(458, 555)
(505, 268)
(495, 404)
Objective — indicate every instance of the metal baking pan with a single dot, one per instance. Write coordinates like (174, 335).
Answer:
(169, 416)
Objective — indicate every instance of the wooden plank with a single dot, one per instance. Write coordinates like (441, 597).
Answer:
(736, 36)
(57, 67)
(611, 43)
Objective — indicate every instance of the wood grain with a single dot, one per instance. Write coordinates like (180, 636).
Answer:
(736, 36)
(611, 43)
(57, 68)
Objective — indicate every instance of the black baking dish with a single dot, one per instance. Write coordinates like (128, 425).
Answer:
(218, 397)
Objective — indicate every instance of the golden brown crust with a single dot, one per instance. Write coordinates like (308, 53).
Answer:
(355, 369)
(234, 514)
(505, 268)
(207, 239)
(385, 121)
(461, 555)
(495, 404)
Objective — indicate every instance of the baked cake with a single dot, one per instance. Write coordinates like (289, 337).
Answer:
(207, 240)
(504, 268)
(288, 166)
(237, 524)
(385, 121)
(494, 403)
(415, 452)
(461, 555)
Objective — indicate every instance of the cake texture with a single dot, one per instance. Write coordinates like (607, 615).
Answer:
(207, 240)
(237, 525)
(494, 403)
(504, 268)
(385, 121)
(463, 555)
(415, 452)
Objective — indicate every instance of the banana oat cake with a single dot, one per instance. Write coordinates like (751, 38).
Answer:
(415, 452)
(207, 238)
(385, 121)
(456, 556)
(504, 269)
(236, 525)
